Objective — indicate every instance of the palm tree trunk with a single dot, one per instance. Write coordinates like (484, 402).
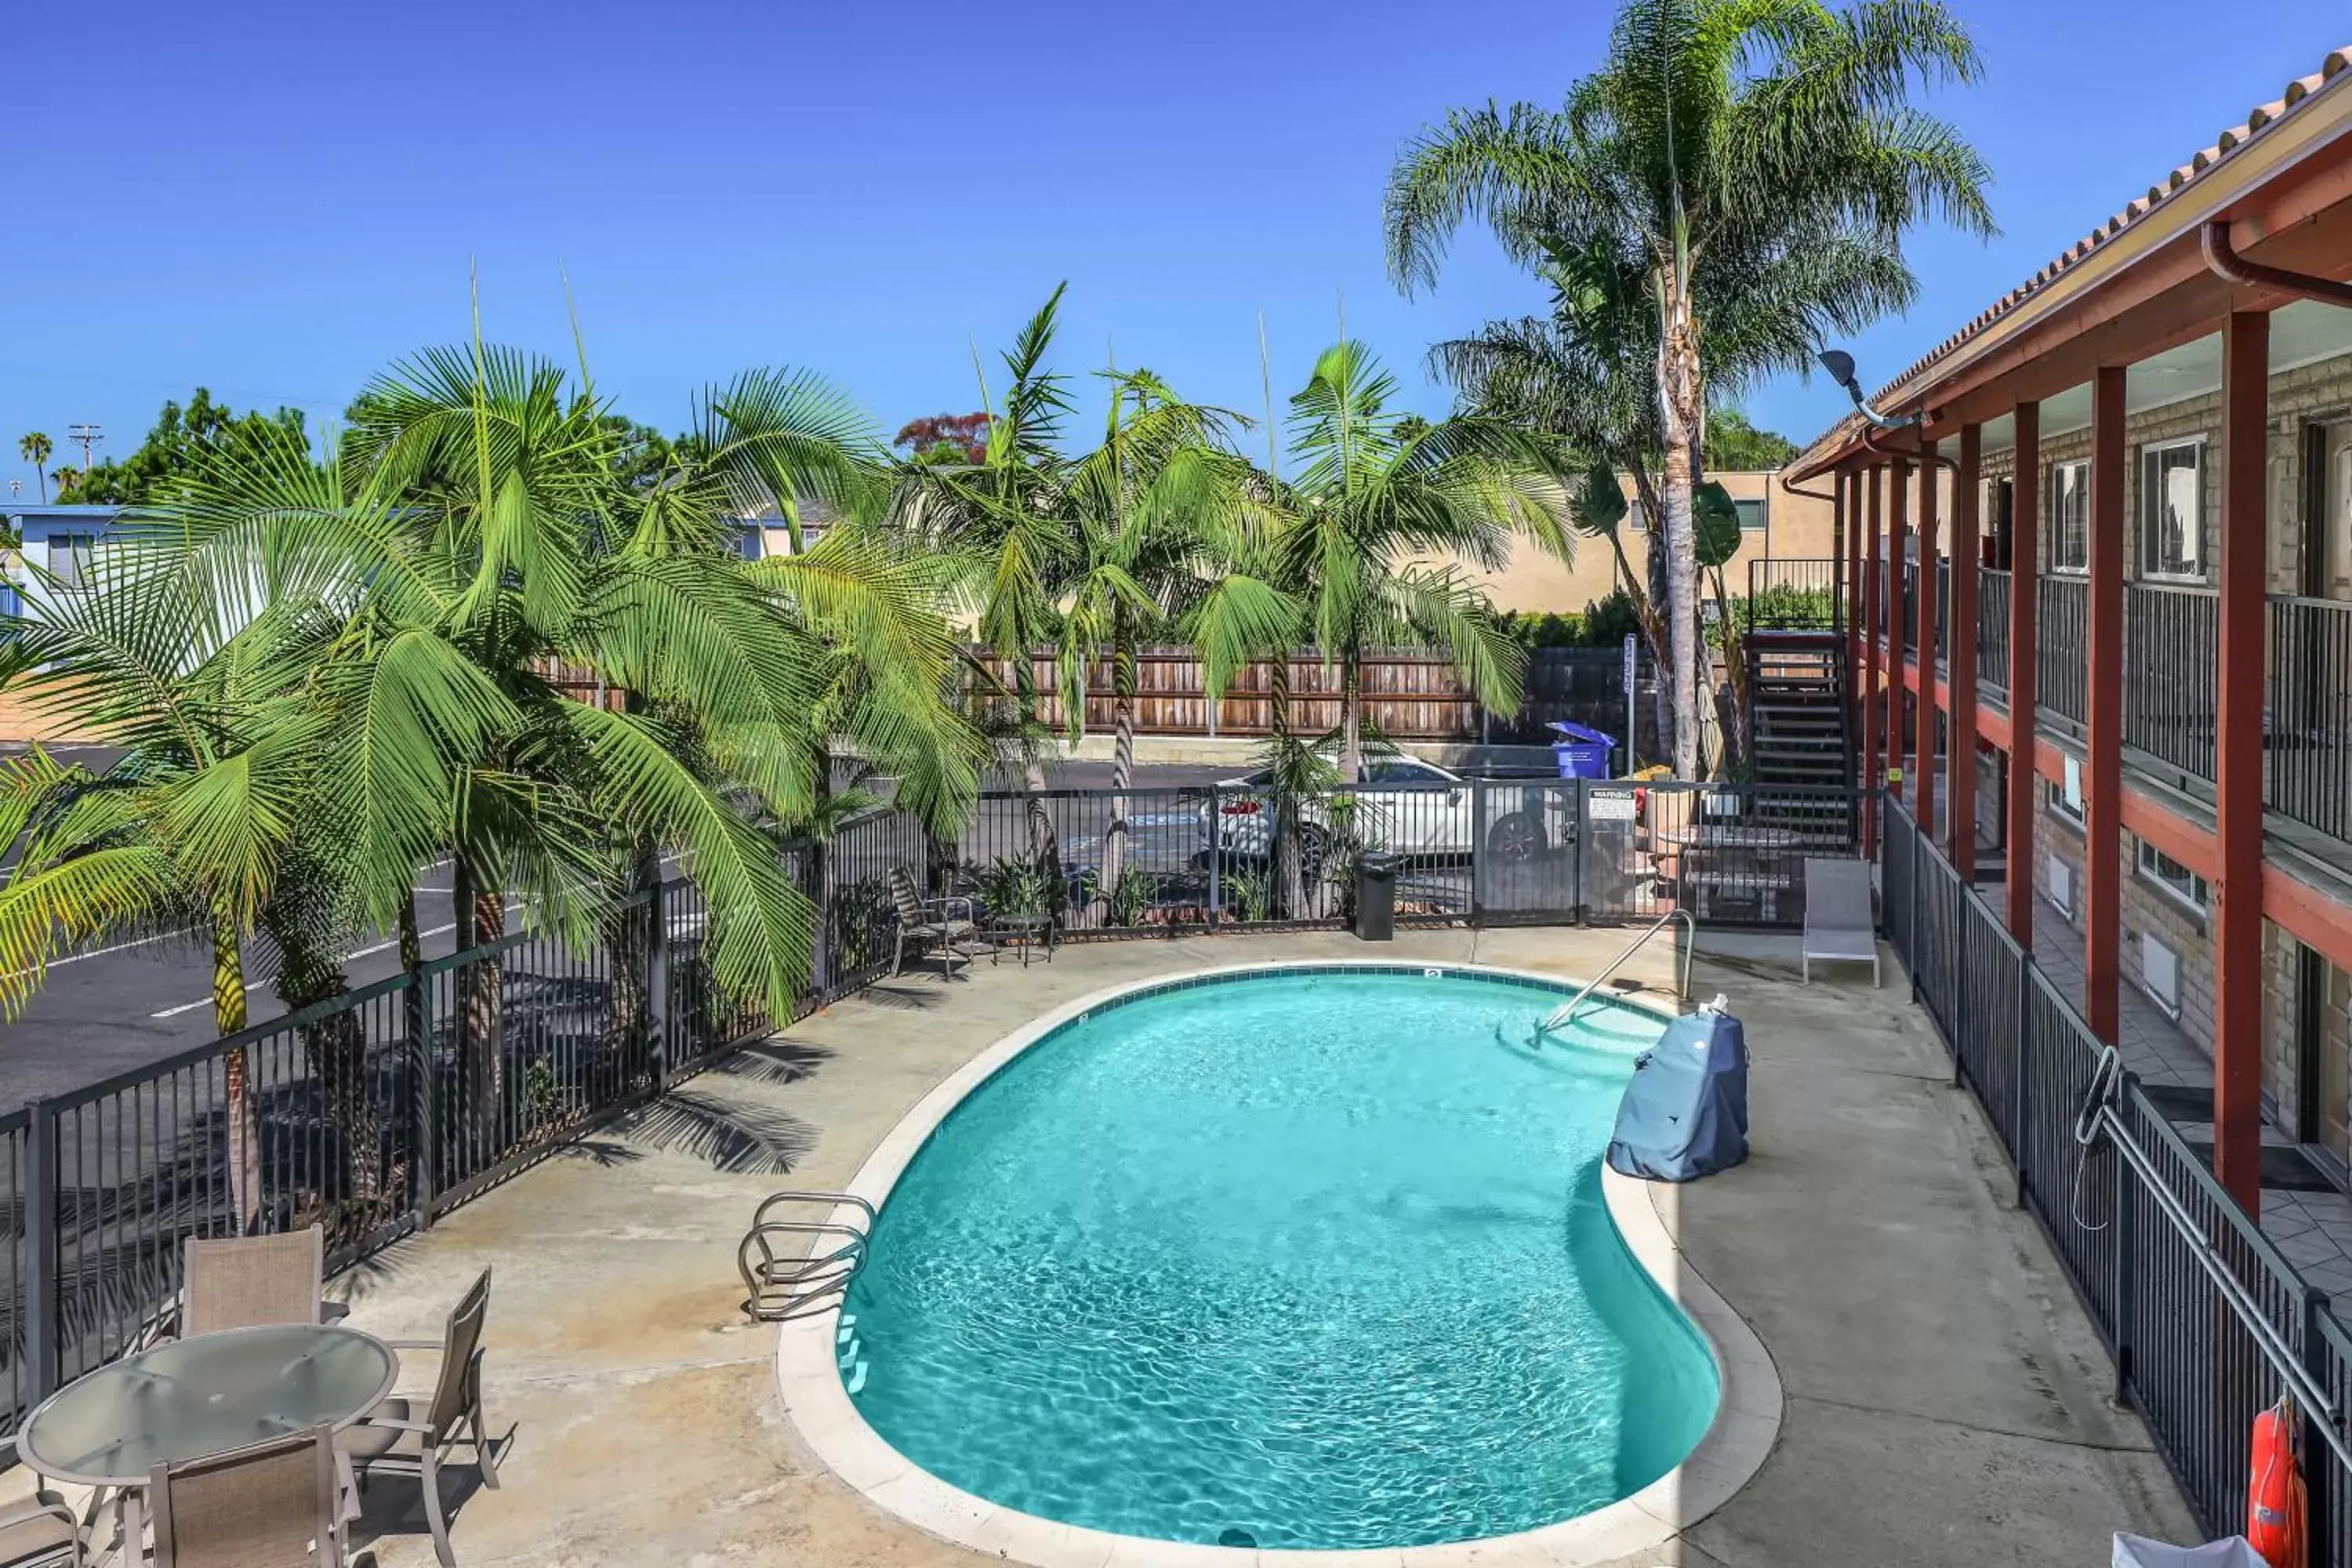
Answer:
(486, 1021)
(1122, 751)
(1042, 848)
(337, 1048)
(1681, 398)
(1351, 716)
(243, 1132)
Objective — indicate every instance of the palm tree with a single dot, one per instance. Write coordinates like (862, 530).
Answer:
(192, 829)
(1757, 163)
(35, 449)
(1374, 492)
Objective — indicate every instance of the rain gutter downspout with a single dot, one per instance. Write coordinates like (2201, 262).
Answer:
(2222, 260)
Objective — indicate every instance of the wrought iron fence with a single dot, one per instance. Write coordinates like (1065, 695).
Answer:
(2061, 641)
(1796, 594)
(2207, 1324)
(1992, 630)
(374, 1112)
(2309, 719)
(2170, 680)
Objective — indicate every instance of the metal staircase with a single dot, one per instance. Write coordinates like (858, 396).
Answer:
(1798, 718)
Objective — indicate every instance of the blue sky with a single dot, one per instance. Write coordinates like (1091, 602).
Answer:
(275, 200)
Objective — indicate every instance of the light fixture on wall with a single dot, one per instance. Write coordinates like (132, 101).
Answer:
(1839, 364)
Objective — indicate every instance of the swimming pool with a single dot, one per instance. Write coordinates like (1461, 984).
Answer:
(1314, 1259)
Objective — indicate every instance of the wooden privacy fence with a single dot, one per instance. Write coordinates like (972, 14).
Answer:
(1408, 694)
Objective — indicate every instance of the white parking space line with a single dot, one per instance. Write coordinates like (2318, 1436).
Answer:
(512, 905)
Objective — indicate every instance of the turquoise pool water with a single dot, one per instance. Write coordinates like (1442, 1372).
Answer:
(1307, 1260)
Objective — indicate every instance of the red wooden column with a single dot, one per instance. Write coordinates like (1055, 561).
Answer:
(1874, 769)
(2238, 763)
(1849, 502)
(1898, 485)
(2103, 745)
(1961, 791)
(2025, 601)
(1923, 744)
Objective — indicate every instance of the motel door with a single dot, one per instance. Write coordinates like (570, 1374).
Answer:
(2323, 1056)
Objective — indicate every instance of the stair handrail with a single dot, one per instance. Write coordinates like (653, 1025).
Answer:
(1567, 1010)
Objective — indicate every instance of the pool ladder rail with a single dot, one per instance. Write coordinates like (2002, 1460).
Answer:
(1560, 1014)
(798, 1257)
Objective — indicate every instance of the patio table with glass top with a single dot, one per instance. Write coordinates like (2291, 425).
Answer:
(186, 1399)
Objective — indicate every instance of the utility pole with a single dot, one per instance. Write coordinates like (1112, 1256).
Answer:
(89, 436)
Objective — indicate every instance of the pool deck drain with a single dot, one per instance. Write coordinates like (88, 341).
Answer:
(1944, 1398)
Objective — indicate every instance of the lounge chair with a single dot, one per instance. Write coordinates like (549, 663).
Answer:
(931, 923)
(1838, 922)
(276, 1504)
(39, 1531)
(410, 1437)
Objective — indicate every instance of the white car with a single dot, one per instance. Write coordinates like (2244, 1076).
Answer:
(1405, 806)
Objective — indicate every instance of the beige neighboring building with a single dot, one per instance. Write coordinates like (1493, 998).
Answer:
(1776, 522)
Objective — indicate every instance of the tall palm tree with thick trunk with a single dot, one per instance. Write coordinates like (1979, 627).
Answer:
(1756, 165)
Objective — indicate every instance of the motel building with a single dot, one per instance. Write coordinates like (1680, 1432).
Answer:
(2119, 696)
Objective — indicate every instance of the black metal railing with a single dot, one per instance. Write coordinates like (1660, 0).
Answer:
(1992, 631)
(2207, 1322)
(2170, 683)
(1904, 605)
(1796, 594)
(371, 1113)
(1943, 575)
(2060, 645)
(2309, 717)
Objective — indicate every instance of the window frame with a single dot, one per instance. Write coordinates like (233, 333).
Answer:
(77, 545)
(2150, 453)
(2198, 902)
(2055, 523)
(2055, 801)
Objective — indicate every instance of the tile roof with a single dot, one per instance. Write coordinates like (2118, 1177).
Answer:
(2261, 118)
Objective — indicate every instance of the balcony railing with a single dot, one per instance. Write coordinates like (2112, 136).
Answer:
(2060, 645)
(2171, 678)
(2308, 724)
(1992, 631)
(2170, 682)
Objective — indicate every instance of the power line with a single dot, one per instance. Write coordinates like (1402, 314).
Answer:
(88, 436)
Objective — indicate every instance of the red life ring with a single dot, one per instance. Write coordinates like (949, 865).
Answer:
(2274, 1496)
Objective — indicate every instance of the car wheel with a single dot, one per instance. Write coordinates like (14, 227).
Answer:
(1515, 840)
(1314, 849)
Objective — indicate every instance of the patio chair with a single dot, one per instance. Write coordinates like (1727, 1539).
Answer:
(39, 1531)
(277, 1504)
(408, 1436)
(1838, 923)
(250, 1282)
(927, 922)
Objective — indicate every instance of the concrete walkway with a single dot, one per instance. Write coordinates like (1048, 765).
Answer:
(1945, 1397)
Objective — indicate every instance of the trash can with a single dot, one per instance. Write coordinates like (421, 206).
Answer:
(1583, 753)
(1376, 896)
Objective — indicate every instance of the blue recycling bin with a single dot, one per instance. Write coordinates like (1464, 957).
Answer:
(1584, 754)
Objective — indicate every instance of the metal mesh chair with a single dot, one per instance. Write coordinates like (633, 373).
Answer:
(408, 1436)
(277, 1504)
(931, 923)
(39, 1531)
(247, 1281)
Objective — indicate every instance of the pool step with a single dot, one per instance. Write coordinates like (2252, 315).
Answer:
(857, 1385)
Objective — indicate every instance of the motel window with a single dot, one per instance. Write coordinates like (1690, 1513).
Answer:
(2171, 511)
(2070, 517)
(70, 557)
(2184, 885)
(2066, 794)
(1751, 513)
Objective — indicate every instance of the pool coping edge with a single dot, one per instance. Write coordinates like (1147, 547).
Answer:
(1734, 1447)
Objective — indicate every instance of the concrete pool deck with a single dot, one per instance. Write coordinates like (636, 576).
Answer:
(1945, 1398)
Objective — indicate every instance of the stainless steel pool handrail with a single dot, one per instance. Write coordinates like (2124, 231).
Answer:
(788, 1268)
(1567, 1010)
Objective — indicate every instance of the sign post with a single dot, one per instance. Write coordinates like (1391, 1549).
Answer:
(1631, 657)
